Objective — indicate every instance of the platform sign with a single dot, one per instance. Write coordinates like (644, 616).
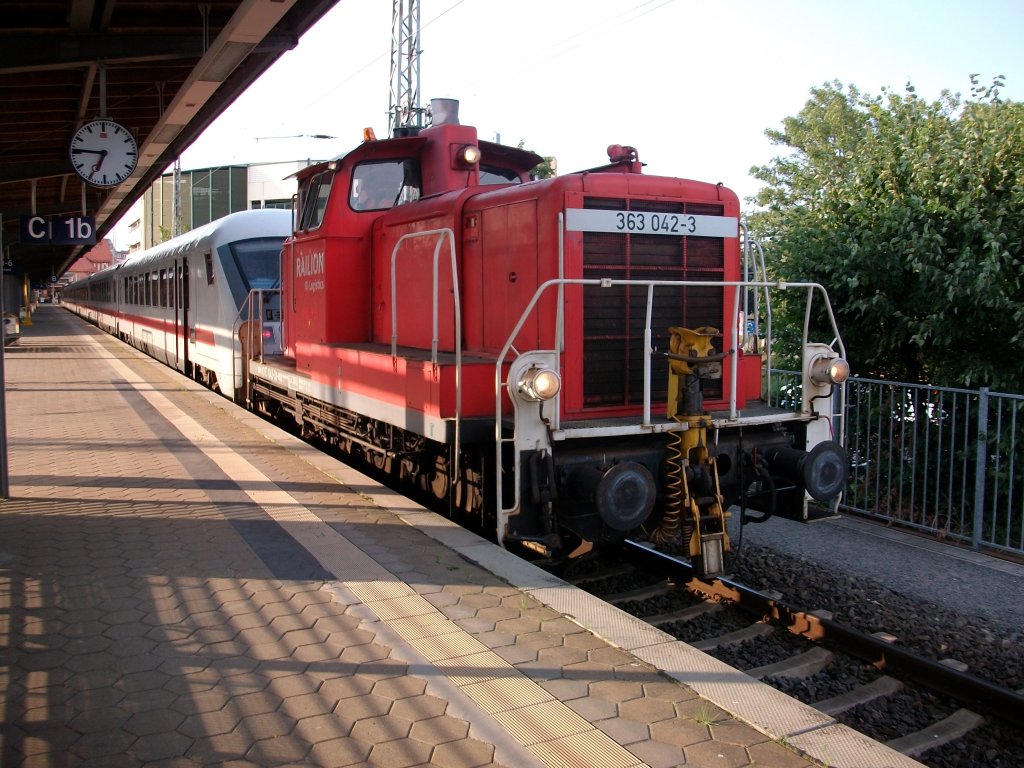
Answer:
(58, 230)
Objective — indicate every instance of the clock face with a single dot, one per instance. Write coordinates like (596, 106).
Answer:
(104, 153)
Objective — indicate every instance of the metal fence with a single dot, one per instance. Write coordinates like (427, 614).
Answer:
(948, 462)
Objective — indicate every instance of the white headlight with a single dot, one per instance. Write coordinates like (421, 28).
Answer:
(469, 155)
(826, 370)
(539, 384)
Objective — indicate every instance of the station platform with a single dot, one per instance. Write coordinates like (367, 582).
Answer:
(183, 584)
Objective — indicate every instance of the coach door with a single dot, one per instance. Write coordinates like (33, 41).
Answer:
(181, 330)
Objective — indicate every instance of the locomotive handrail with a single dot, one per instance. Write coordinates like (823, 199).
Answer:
(736, 285)
(758, 269)
(236, 326)
(441, 234)
(560, 283)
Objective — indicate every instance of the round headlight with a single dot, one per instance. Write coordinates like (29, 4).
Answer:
(539, 384)
(829, 370)
(469, 154)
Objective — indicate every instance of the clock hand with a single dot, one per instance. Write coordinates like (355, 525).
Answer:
(103, 155)
(78, 151)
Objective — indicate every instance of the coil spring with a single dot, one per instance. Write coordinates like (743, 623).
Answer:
(668, 529)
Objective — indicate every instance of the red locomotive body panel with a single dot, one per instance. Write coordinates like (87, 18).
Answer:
(328, 295)
(408, 385)
(411, 296)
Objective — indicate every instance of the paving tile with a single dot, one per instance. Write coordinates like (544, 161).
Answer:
(219, 748)
(724, 755)
(364, 706)
(593, 709)
(774, 755)
(417, 708)
(401, 753)
(616, 690)
(465, 753)
(200, 702)
(647, 710)
(102, 744)
(160, 746)
(680, 732)
(146, 701)
(339, 753)
(278, 751)
(375, 730)
(269, 724)
(213, 723)
(660, 755)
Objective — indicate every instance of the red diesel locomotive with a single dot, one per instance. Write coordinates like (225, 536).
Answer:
(564, 360)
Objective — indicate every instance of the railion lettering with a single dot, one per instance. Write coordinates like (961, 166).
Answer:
(309, 264)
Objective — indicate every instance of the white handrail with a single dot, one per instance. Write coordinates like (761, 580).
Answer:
(441, 234)
(560, 283)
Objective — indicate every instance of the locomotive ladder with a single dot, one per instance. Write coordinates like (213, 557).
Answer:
(250, 316)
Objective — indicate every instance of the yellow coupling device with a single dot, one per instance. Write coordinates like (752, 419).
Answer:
(693, 509)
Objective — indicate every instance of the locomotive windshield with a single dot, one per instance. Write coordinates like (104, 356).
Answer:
(384, 184)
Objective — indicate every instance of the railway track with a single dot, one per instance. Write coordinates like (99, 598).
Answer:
(920, 702)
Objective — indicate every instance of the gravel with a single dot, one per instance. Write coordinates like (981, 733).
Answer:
(992, 648)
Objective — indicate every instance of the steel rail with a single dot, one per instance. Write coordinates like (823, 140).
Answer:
(1003, 703)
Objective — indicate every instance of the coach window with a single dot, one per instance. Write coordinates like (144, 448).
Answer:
(384, 184)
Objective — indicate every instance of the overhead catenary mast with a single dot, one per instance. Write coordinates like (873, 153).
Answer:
(404, 111)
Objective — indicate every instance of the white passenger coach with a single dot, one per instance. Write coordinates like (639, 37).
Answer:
(193, 300)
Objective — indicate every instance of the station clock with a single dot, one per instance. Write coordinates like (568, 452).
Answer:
(104, 153)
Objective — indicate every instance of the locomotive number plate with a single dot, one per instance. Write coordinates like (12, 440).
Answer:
(648, 223)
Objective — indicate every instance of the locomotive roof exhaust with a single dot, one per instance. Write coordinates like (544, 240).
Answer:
(444, 111)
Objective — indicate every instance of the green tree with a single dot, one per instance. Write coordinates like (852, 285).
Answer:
(911, 214)
(544, 170)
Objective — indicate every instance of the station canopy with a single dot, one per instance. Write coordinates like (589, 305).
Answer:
(162, 70)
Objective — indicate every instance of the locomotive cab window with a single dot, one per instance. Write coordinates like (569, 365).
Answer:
(384, 184)
(492, 174)
(209, 268)
(314, 200)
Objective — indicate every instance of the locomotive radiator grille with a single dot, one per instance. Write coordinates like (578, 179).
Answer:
(614, 318)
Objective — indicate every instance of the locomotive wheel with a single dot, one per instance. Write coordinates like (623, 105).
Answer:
(440, 483)
(379, 459)
(468, 491)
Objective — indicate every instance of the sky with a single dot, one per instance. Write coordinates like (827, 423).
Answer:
(692, 86)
